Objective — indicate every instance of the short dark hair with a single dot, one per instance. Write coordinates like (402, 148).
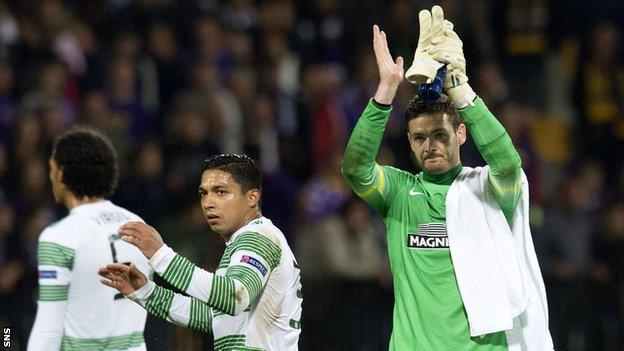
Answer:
(418, 107)
(88, 162)
(243, 169)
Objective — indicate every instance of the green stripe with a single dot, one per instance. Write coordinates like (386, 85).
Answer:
(179, 272)
(219, 313)
(222, 295)
(295, 324)
(225, 259)
(229, 341)
(201, 316)
(53, 292)
(233, 342)
(258, 243)
(160, 302)
(113, 343)
(53, 254)
(248, 278)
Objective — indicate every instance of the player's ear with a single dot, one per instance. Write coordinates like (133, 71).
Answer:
(253, 197)
(59, 176)
(461, 134)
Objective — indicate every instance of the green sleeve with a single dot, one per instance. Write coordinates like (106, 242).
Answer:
(498, 151)
(369, 180)
(161, 304)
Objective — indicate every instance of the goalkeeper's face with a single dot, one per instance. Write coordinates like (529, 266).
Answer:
(226, 206)
(435, 142)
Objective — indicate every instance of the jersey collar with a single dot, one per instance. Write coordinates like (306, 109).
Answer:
(445, 178)
(244, 228)
(88, 205)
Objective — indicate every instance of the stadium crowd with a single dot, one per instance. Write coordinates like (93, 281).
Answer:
(174, 82)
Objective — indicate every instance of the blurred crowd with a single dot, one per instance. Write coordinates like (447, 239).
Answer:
(173, 82)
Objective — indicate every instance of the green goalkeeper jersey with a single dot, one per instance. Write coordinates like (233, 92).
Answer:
(428, 311)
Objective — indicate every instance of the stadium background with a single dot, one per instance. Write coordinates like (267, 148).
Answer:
(173, 82)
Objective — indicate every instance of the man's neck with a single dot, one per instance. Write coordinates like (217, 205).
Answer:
(248, 218)
(443, 178)
(72, 201)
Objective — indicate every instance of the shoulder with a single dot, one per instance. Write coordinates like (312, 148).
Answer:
(263, 238)
(473, 174)
(482, 174)
(59, 232)
(131, 215)
(396, 171)
(262, 228)
(56, 247)
(396, 175)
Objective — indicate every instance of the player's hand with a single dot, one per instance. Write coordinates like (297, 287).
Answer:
(448, 49)
(141, 235)
(390, 71)
(126, 279)
(424, 67)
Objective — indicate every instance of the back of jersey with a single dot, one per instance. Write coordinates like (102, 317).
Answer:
(70, 253)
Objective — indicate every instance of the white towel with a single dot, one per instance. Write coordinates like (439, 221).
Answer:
(496, 266)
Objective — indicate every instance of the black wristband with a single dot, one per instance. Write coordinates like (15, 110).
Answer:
(380, 105)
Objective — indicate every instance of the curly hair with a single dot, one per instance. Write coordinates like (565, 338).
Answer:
(243, 169)
(88, 162)
(417, 108)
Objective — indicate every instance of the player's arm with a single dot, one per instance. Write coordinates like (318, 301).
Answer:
(498, 151)
(252, 259)
(163, 303)
(359, 168)
(488, 133)
(55, 263)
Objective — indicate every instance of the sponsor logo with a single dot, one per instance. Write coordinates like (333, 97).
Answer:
(429, 236)
(413, 192)
(47, 274)
(255, 263)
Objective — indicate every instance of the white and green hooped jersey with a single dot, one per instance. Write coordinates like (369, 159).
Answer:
(76, 311)
(252, 301)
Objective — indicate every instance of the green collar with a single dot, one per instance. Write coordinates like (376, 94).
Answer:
(445, 178)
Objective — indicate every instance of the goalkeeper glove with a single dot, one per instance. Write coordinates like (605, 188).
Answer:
(458, 89)
(447, 49)
(424, 68)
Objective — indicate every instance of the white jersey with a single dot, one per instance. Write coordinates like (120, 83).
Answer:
(76, 311)
(252, 301)
(272, 321)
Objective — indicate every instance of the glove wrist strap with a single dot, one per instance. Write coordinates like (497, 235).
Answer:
(462, 96)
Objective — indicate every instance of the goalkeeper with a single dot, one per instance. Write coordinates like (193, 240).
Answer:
(465, 271)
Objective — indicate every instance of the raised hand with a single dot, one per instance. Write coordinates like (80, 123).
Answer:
(126, 279)
(447, 48)
(390, 71)
(141, 235)
(424, 67)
